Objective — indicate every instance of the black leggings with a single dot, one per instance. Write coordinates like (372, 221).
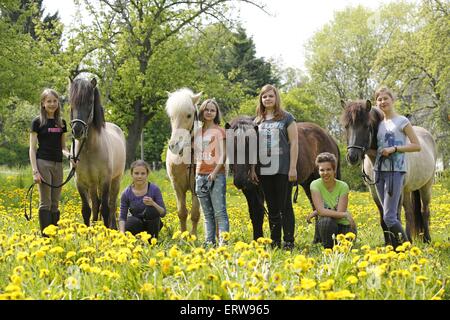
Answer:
(278, 194)
(136, 225)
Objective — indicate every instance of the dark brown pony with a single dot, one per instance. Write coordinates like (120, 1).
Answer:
(312, 141)
(361, 125)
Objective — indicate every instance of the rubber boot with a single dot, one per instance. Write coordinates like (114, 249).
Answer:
(45, 219)
(55, 217)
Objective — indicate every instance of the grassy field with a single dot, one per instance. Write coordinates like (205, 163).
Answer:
(79, 262)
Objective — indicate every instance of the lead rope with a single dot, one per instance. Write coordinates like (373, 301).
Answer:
(29, 194)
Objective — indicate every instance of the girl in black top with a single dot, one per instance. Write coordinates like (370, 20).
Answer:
(47, 146)
(277, 163)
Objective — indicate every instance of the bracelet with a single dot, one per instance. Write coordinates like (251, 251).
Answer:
(395, 148)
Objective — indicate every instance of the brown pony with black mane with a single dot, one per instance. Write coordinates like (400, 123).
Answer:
(312, 140)
(361, 125)
(102, 153)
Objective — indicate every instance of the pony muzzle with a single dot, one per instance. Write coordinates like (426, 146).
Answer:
(79, 129)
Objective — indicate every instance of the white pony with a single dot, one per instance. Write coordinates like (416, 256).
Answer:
(181, 108)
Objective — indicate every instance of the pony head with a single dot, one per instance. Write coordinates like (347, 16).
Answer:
(181, 107)
(360, 121)
(85, 107)
(242, 149)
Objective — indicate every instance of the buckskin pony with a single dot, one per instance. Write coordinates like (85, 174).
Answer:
(102, 153)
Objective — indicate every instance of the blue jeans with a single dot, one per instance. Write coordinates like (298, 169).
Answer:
(213, 203)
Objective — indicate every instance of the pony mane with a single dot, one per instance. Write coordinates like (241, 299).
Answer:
(179, 101)
(242, 122)
(356, 112)
(81, 91)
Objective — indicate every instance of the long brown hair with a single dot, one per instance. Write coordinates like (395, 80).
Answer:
(278, 113)
(43, 114)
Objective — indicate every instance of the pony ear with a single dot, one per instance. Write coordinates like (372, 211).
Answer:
(196, 98)
(368, 105)
(343, 105)
(227, 126)
(94, 82)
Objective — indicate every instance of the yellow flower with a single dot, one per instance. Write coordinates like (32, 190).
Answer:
(414, 268)
(362, 264)
(43, 273)
(307, 284)
(415, 251)
(50, 230)
(352, 279)
(343, 294)
(326, 285)
(152, 262)
(279, 289)
(421, 279)
(57, 249)
(70, 254)
(350, 236)
(225, 236)
(276, 277)
(147, 288)
(166, 263)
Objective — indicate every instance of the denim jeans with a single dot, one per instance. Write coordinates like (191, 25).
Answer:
(213, 203)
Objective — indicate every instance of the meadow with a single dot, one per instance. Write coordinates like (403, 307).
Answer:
(79, 262)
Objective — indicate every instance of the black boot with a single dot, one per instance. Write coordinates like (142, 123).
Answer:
(397, 235)
(55, 217)
(45, 219)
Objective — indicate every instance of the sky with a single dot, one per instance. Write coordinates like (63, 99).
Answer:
(280, 35)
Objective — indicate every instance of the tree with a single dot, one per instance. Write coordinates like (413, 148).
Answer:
(415, 64)
(240, 64)
(340, 57)
(138, 56)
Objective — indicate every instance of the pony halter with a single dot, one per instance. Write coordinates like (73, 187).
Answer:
(84, 124)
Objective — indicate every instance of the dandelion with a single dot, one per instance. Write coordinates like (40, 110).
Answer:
(71, 283)
(421, 279)
(352, 279)
(147, 288)
(279, 290)
(307, 284)
(326, 285)
(276, 277)
(414, 268)
(343, 294)
(50, 230)
(43, 273)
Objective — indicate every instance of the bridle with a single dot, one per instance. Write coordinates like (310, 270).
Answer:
(364, 175)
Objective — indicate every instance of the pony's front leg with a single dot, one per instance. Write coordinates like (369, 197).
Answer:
(85, 208)
(409, 215)
(195, 213)
(105, 210)
(95, 203)
(182, 210)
